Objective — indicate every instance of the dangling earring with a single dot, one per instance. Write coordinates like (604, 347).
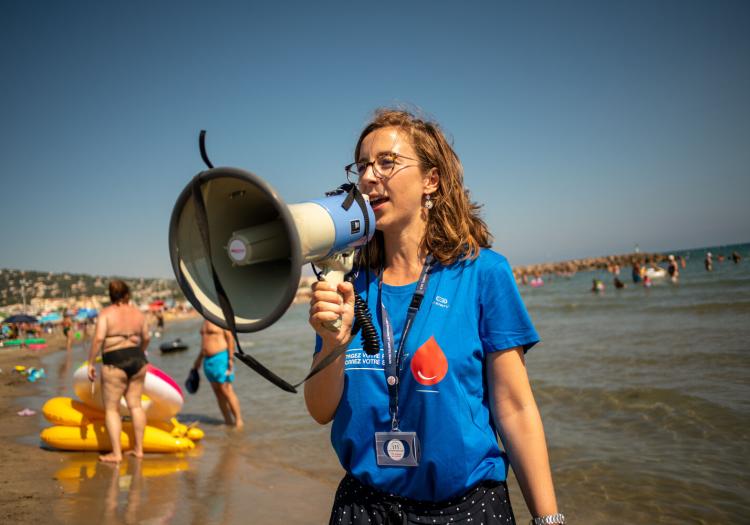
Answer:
(428, 204)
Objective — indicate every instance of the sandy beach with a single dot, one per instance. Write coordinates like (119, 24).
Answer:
(26, 478)
(216, 483)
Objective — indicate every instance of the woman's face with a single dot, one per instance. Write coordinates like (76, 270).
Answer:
(396, 200)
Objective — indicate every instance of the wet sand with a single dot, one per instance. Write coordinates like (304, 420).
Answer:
(217, 483)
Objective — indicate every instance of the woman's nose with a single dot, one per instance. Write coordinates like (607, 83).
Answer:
(368, 177)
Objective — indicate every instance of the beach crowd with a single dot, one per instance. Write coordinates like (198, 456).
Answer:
(644, 269)
(78, 324)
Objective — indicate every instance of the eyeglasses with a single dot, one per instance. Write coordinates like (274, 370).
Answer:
(383, 167)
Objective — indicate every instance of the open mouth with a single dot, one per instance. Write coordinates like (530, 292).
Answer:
(377, 202)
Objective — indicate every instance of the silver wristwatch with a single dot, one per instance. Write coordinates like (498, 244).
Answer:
(552, 519)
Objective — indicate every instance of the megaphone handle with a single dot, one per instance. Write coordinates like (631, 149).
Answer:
(334, 277)
(333, 326)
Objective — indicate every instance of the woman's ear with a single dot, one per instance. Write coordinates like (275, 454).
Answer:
(431, 181)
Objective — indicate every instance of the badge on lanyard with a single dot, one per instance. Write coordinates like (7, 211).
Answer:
(397, 448)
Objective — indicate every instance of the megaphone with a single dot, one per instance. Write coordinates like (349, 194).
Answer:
(230, 226)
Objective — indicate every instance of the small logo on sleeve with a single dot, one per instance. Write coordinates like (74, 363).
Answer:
(442, 302)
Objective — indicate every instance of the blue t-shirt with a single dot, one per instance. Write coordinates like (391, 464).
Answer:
(470, 308)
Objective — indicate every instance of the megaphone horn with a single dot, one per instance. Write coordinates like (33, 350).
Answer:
(255, 243)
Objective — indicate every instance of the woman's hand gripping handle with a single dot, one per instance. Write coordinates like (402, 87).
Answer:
(332, 312)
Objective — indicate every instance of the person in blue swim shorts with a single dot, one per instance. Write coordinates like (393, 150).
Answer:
(217, 355)
(416, 425)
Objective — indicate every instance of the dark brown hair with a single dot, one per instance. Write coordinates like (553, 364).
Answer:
(119, 292)
(454, 228)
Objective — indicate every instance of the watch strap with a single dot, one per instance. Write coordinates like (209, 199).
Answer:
(552, 519)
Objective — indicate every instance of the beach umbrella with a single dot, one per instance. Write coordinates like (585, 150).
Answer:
(85, 313)
(156, 305)
(54, 317)
(20, 318)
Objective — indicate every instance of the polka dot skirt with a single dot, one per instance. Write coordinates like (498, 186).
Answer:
(359, 504)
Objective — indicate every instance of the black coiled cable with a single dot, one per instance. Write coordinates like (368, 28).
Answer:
(363, 320)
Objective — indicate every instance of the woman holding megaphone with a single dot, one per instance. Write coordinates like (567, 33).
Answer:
(415, 427)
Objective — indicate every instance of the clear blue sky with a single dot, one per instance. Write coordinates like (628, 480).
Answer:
(584, 128)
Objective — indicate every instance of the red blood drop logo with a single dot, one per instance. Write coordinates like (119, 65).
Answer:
(429, 364)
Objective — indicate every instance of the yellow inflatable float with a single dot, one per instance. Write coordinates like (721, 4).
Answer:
(94, 437)
(68, 412)
(79, 425)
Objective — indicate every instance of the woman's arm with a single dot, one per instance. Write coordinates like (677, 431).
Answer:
(518, 421)
(145, 335)
(100, 331)
(323, 391)
(230, 348)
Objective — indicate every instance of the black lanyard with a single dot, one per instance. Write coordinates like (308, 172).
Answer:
(393, 361)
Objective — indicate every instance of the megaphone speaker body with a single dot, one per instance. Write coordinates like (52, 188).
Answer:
(258, 244)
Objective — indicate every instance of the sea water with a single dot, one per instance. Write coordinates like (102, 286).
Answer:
(644, 394)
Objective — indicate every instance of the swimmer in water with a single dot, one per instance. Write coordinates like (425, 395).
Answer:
(217, 355)
(673, 269)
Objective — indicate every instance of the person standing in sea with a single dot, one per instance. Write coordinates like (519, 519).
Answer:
(673, 270)
(67, 328)
(217, 355)
(121, 333)
(416, 426)
(159, 322)
(636, 271)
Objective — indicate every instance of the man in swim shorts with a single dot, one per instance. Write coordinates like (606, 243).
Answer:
(217, 355)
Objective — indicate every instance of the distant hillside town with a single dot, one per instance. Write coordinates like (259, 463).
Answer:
(23, 290)
(33, 292)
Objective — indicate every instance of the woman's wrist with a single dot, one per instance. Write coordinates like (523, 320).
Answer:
(549, 519)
